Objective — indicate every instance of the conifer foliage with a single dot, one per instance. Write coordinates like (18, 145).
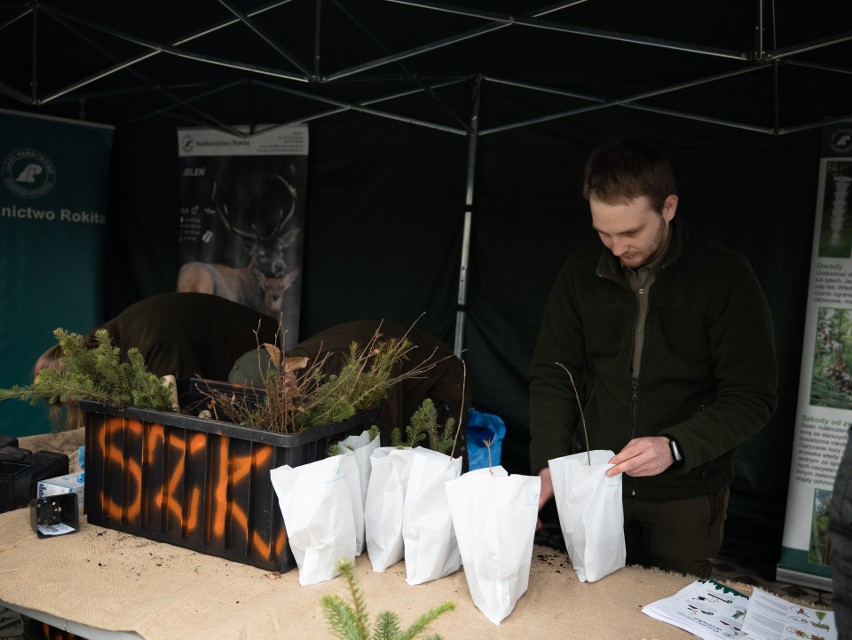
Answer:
(352, 622)
(95, 374)
(299, 396)
(424, 425)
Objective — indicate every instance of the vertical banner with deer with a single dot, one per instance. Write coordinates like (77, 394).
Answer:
(825, 389)
(242, 213)
(53, 207)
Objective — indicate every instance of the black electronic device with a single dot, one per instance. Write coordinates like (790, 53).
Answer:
(55, 515)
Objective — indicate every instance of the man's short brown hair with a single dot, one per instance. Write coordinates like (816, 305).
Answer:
(621, 172)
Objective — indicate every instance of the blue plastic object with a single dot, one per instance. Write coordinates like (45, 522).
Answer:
(482, 427)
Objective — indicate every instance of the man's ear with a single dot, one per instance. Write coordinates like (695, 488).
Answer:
(669, 207)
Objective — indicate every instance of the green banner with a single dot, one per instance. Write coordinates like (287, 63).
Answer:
(825, 390)
(52, 233)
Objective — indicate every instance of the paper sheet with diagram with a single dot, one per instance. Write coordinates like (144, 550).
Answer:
(711, 610)
(772, 618)
(706, 609)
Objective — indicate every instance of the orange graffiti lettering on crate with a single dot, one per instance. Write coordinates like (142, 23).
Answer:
(261, 458)
(220, 492)
(264, 549)
(130, 468)
(156, 437)
(150, 440)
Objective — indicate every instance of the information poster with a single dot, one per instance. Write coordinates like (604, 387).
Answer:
(53, 199)
(825, 392)
(242, 216)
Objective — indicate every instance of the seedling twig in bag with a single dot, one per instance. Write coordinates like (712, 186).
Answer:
(580, 407)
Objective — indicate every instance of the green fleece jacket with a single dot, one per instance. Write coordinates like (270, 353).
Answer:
(708, 374)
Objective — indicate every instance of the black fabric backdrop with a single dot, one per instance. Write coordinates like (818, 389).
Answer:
(385, 209)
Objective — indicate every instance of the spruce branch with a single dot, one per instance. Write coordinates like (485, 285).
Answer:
(362, 618)
(426, 619)
(387, 626)
(424, 425)
(351, 622)
(95, 374)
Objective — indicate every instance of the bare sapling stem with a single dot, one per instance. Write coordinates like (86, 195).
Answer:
(488, 444)
(461, 412)
(580, 407)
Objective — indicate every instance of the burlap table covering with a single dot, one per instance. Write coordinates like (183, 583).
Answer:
(116, 581)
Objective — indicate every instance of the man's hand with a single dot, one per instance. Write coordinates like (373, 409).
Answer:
(642, 457)
(546, 492)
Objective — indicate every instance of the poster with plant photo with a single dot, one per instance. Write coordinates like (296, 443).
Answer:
(831, 375)
(824, 410)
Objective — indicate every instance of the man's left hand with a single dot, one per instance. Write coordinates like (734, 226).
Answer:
(642, 457)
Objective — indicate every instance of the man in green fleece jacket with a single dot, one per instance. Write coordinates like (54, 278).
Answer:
(671, 336)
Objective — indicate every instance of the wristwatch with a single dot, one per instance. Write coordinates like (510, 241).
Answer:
(677, 456)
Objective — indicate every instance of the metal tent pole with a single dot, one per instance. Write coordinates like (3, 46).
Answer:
(472, 137)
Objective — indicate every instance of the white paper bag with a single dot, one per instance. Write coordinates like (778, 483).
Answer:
(494, 518)
(360, 447)
(430, 546)
(385, 505)
(591, 515)
(321, 506)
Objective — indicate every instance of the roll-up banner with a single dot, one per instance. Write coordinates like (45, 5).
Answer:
(52, 232)
(825, 391)
(242, 216)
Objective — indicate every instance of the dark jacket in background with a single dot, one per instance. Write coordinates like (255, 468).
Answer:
(708, 372)
(189, 334)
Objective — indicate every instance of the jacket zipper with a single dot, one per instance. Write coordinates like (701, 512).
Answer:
(634, 392)
(634, 407)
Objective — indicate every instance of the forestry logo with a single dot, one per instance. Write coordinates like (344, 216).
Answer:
(840, 140)
(28, 173)
(187, 143)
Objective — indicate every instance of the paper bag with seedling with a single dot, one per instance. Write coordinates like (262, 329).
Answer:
(385, 508)
(430, 546)
(494, 517)
(322, 510)
(385, 505)
(360, 447)
(590, 513)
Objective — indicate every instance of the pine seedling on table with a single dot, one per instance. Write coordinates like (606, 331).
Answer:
(352, 622)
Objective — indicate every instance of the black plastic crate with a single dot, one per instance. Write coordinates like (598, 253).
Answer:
(194, 393)
(197, 483)
(47, 464)
(197, 394)
(14, 484)
(15, 453)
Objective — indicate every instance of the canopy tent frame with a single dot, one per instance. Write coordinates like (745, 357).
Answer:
(761, 58)
(307, 75)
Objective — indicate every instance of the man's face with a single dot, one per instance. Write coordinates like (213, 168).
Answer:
(634, 232)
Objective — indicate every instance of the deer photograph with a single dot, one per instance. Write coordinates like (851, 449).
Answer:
(260, 284)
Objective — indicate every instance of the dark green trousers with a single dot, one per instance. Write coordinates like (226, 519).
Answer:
(681, 535)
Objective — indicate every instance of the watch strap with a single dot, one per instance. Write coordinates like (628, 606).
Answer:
(677, 456)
